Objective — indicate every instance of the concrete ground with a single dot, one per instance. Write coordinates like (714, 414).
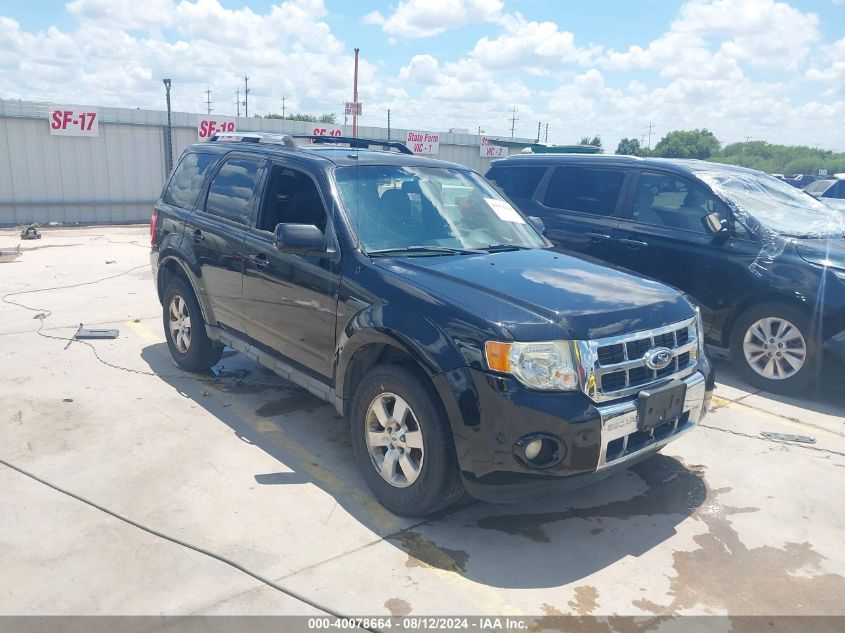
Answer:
(259, 473)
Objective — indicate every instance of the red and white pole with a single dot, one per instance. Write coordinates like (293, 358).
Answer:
(355, 99)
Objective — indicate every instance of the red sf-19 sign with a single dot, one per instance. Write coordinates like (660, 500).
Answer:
(327, 130)
(206, 128)
(68, 121)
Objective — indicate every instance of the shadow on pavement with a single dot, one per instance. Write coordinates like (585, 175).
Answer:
(538, 543)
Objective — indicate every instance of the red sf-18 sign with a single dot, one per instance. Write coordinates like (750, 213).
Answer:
(423, 142)
(206, 128)
(69, 121)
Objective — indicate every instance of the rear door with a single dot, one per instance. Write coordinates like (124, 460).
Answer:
(216, 233)
(290, 301)
(581, 205)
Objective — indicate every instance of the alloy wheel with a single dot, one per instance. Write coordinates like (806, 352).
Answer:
(774, 348)
(394, 440)
(180, 324)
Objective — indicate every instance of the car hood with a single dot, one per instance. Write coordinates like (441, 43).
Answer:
(541, 294)
(823, 251)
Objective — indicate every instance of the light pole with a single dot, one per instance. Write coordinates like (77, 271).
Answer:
(168, 135)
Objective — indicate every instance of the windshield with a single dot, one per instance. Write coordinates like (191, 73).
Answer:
(776, 205)
(397, 207)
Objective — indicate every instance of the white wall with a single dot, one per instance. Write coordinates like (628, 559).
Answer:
(117, 177)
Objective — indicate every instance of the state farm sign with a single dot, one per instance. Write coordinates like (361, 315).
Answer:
(68, 121)
(488, 150)
(206, 128)
(423, 142)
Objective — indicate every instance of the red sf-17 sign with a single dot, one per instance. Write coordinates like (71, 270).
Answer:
(206, 128)
(70, 121)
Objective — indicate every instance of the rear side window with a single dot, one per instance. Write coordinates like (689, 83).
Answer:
(585, 190)
(517, 182)
(232, 190)
(185, 185)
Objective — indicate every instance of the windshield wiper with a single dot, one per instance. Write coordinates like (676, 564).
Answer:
(434, 250)
(498, 248)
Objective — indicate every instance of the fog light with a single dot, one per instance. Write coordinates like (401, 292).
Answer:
(533, 449)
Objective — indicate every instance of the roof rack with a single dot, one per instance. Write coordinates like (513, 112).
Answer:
(268, 138)
(360, 143)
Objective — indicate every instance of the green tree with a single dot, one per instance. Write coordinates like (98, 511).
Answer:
(586, 140)
(687, 144)
(630, 147)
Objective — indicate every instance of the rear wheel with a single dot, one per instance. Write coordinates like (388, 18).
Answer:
(184, 328)
(772, 348)
(402, 442)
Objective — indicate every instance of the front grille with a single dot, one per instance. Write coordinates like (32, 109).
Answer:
(620, 367)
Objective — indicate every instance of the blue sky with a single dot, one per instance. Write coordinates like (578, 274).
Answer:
(768, 69)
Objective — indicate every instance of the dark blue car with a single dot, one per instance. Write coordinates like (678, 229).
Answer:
(764, 261)
(464, 351)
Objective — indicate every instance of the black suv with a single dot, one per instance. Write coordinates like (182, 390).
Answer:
(764, 261)
(464, 351)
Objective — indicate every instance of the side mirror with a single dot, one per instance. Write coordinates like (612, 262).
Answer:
(299, 239)
(537, 223)
(716, 225)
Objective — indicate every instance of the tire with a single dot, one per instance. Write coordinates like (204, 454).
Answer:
(188, 342)
(437, 484)
(784, 374)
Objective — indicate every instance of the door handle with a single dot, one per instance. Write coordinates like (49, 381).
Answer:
(198, 236)
(597, 237)
(259, 261)
(633, 244)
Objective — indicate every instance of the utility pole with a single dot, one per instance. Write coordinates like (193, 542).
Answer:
(355, 98)
(238, 101)
(650, 128)
(208, 100)
(246, 96)
(513, 121)
(538, 131)
(388, 124)
(168, 136)
(547, 132)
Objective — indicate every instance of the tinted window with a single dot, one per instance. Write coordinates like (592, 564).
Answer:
(517, 182)
(585, 189)
(677, 203)
(184, 186)
(232, 190)
(836, 191)
(290, 197)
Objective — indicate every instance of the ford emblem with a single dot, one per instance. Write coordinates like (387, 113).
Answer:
(658, 358)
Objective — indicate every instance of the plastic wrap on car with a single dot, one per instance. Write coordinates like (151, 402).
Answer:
(774, 211)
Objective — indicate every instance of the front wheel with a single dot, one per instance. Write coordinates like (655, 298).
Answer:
(402, 442)
(773, 349)
(184, 328)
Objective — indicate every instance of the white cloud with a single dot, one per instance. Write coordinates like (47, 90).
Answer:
(425, 18)
(531, 45)
(831, 70)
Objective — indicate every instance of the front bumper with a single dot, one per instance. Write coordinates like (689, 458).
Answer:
(599, 438)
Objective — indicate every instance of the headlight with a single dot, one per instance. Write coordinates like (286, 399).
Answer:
(545, 365)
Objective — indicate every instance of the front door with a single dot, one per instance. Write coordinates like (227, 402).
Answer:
(290, 301)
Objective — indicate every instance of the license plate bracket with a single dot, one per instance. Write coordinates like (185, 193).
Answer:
(660, 404)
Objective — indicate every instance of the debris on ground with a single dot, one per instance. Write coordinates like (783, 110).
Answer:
(788, 437)
(83, 333)
(30, 233)
(10, 255)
